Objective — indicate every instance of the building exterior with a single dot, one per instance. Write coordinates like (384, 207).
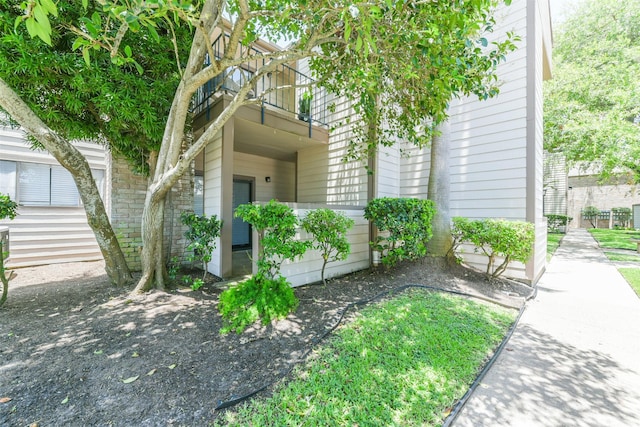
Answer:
(269, 152)
(496, 145)
(291, 148)
(51, 226)
(569, 190)
(556, 184)
(585, 190)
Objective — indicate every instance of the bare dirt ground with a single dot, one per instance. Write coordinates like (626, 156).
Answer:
(76, 351)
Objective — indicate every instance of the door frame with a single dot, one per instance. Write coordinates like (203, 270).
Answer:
(252, 196)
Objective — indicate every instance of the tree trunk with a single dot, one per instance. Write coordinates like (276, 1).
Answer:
(153, 268)
(324, 265)
(72, 160)
(173, 157)
(438, 191)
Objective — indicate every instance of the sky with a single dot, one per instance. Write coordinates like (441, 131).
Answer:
(559, 8)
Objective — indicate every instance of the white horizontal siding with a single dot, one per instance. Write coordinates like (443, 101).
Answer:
(323, 174)
(308, 268)
(538, 262)
(415, 163)
(489, 138)
(387, 172)
(478, 261)
(45, 234)
(15, 147)
(50, 235)
(492, 168)
(536, 265)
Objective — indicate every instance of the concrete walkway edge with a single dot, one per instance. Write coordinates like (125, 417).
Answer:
(574, 358)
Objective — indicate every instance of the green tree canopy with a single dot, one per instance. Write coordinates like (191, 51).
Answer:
(592, 105)
(405, 61)
(107, 101)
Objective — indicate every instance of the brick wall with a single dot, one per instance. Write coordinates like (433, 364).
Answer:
(127, 200)
(180, 199)
(584, 191)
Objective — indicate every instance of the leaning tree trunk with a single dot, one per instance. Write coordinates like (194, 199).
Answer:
(438, 191)
(72, 160)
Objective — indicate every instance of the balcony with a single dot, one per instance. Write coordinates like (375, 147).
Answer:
(285, 90)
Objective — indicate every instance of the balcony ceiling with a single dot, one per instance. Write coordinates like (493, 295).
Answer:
(271, 132)
(266, 141)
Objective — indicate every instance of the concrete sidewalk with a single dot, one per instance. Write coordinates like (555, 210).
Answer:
(574, 358)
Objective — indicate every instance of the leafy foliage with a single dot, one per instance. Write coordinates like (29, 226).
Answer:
(425, 53)
(202, 235)
(591, 213)
(304, 104)
(554, 222)
(276, 225)
(402, 63)
(102, 101)
(8, 208)
(329, 229)
(256, 298)
(267, 295)
(512, 240)
(621, 217)
(592, 105)
(408, 223)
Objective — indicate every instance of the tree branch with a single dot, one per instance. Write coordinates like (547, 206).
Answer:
(122, 31)
(174, 41)
(238, 30)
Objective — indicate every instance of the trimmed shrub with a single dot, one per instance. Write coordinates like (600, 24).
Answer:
(329, 229)
(554, 222)
(254, 299)
(512, 240)
(202, 234)
(408, 223)
(8, 208)
(267, 295)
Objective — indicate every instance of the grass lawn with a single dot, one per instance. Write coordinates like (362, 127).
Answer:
(615, 256)
(632, 275)
(618, 239)
(553, 241)
(405, 361)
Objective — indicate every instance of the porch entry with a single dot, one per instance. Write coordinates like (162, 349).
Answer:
(241, 231)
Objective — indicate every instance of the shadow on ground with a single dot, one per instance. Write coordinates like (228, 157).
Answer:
(66, 346)
(569, 383)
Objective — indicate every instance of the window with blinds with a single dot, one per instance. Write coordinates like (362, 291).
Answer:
(36, 184)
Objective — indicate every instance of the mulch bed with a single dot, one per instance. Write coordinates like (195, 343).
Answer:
(75, 350)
